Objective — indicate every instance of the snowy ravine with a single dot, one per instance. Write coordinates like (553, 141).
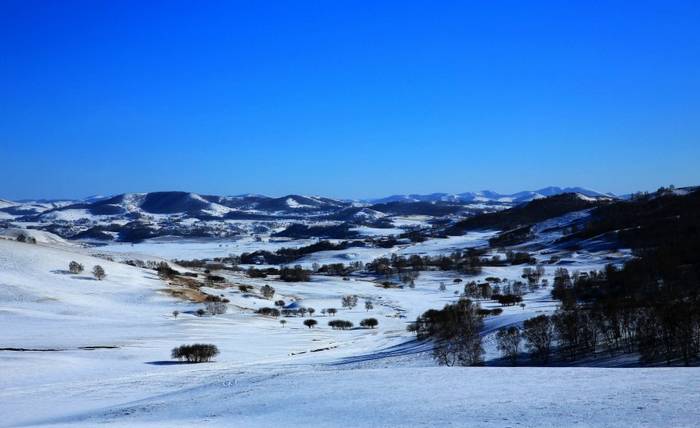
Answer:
(87, 353)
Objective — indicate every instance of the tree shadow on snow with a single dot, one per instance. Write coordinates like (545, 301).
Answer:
(165, 363)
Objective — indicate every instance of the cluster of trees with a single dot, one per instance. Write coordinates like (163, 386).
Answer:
(369, 323)
(197, 353)
(337, 269)
(340, 324)
(507, 299)
(302, 311)
(289, 255)
(641, 308)
(469, 261)
(572, 334)
(97, 271)
(455, 332)
(270, 312)
(295, 274)
(26, 238)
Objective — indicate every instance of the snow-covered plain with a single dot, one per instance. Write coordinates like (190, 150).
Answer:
(89, 352)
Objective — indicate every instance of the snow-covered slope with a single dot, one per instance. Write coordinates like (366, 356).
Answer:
(97, 352)
(40, 236)
(417, 397)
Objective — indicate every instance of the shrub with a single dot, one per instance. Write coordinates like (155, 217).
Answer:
(245, 288)
(310, 323)
(98, 272)
(267, 291)
(216, 308)
(256, 273)
(197, 353)
(165, 271)
(369, 323)
(75, 267)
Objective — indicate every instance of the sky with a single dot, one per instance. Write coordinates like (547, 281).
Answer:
(346, 98)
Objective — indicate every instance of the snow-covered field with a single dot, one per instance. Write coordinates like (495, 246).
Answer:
(88, 352)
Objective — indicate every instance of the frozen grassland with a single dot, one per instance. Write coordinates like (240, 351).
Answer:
(97, 352)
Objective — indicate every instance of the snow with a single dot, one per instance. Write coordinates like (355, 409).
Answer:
(390, 397)
(293, 203)
(69, 215)
(377, 231)
(269, 375)
(187, 249)
(450, 244)
(5, 204)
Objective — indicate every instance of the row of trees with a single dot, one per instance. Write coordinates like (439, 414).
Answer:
(287, 274)
(469, 261)
(670, 335)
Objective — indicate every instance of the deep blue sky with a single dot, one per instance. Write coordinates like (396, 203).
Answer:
(347, 99)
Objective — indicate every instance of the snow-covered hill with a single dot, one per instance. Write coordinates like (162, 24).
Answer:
(492, 197)
(82, 352)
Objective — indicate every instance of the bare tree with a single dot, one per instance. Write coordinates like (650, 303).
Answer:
(508, 340)
(539, 334)
(75, 267)
(99, 272)
(349, 301)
